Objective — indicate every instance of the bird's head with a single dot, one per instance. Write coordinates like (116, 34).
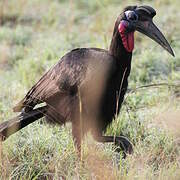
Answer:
(140, 18)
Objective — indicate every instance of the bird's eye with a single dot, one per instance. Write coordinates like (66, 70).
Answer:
(131, 15)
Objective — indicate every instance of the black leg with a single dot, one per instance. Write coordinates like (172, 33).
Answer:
(122, 142)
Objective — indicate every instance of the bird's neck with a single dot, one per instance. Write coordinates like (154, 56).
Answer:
(122, 56)
(120, 48)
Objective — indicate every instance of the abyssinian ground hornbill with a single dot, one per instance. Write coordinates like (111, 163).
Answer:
(87, 86)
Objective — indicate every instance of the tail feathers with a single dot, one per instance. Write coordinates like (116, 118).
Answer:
(19, 106)
(10, 127)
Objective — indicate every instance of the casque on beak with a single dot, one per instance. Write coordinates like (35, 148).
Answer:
(146, 26)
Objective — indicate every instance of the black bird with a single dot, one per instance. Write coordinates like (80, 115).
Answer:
(87, 86)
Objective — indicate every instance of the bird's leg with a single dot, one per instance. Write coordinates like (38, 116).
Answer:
(120, 141)
(124, 143)
(76, 132)
(77, 126)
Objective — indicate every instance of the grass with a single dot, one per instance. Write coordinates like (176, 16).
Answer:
(34, 36)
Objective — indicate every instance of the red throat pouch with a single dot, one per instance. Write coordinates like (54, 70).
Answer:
(127, 38)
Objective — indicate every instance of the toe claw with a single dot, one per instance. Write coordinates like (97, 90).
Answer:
(124, 144)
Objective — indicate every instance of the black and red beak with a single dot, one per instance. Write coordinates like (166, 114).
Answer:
(145, 25)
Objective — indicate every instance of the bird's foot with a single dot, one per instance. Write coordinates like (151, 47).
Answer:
(123, 144)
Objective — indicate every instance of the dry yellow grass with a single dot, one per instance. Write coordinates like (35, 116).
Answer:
(170, 120)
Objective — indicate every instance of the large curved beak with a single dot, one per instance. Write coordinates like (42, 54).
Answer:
(150, 29)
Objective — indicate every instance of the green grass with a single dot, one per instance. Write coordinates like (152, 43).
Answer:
(34, 36)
